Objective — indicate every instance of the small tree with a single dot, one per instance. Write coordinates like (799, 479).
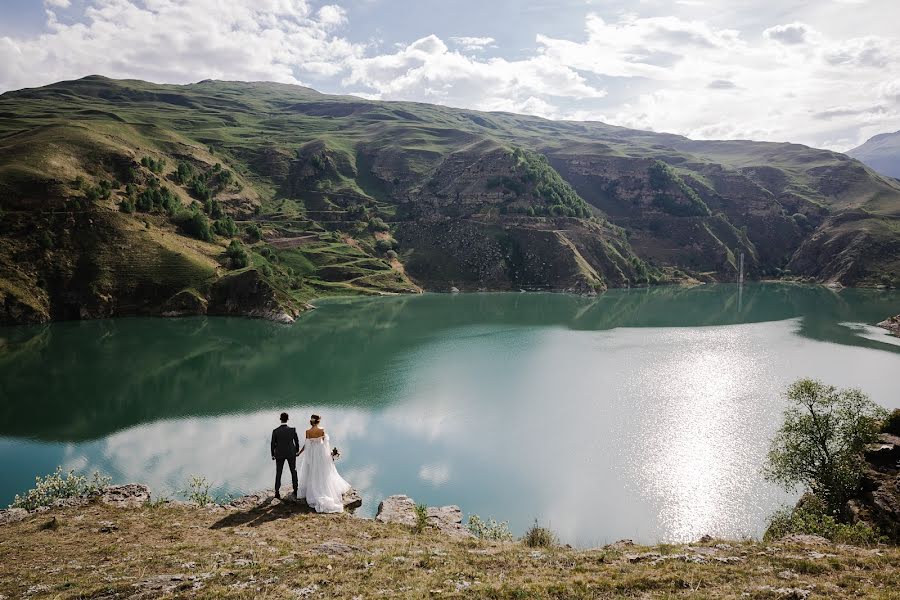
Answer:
(820, 443)
(237, 255)
(254, 232)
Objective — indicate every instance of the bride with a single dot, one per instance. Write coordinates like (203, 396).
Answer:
(320, 482)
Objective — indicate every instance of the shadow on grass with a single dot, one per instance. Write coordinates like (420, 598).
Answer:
(266, 511)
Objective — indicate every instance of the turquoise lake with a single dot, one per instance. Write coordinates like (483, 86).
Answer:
(642, 414)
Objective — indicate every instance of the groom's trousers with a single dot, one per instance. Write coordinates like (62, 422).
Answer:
(279, 467)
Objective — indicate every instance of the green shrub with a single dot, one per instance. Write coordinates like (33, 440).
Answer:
(225, 227)
(421, 518)
(184, 173)
(195, 224)
(58, 486)
(810, 517)
(489, 530)
(820, 443)
(378, 224)
(254, 232)
(198, 491)
(538, 537)
(126, 206)
(237, 255)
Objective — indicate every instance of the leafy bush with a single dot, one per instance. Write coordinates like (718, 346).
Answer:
(820, 443)
(184, 173)
(810, 517)
(489, 530)
(391, 254)
(237, 255)
(195, 224)
(538, 537)
(378, 224)
(198, 491)
(225, 227)
(199, 190)
(58, 486)
(254, 232)
(421, 518)
(126, 206)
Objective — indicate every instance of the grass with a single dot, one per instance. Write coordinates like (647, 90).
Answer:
(96, 551)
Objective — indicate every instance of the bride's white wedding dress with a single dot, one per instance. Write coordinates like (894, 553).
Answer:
(320, 482)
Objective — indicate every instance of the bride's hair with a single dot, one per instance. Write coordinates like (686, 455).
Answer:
(314, 420)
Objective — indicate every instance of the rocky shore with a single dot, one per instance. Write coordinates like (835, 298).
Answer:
(122, 544)
(892, 324)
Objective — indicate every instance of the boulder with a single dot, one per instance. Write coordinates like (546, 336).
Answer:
(185, 303)
(130, 495)
(402, 509)
(878, 501)
(12, 515)
(352, 500)
(892, 324)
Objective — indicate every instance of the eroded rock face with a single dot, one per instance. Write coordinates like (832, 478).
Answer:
(249, 294)
(12, 515)
(892, 324)
(878, 502)
(185, 303)
(130, 495)
(402, 509)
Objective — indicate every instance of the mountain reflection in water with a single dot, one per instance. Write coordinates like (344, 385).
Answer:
(659, 402)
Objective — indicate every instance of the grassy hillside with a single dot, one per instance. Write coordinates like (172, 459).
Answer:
(126, 197)
(157, 551)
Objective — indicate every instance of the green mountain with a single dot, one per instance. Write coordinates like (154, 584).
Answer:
(881, 153)
(126, 197)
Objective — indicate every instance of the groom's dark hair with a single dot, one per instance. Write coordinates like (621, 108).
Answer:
(284, 417)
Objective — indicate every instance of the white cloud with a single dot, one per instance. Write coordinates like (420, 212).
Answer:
(793, 33)
(474, 43)
(426, 70)
(176, 42)
(798, 79)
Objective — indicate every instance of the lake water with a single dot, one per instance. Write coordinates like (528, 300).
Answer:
(639, 414)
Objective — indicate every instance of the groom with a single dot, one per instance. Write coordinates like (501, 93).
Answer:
(285, 447)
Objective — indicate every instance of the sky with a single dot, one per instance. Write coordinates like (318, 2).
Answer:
(824, 73)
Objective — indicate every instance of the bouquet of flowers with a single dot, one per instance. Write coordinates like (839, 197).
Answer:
(335, 453)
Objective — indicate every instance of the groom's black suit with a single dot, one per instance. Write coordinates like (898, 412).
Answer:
(285, 447)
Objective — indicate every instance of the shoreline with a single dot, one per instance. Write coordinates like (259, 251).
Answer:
(311, 304)
(141, 550)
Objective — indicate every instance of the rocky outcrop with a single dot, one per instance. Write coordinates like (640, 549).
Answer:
(402, 509)
(352, 500)
(892, 324)
(130, 495)
(878, 501)
(185, 303)
(249, 294)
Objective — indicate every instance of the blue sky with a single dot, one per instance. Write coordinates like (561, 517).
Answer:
(823, 73)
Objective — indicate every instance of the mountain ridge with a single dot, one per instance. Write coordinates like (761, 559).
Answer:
(319, 194)
(880, 152)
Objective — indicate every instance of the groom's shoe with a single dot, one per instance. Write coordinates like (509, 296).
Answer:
(278, 494)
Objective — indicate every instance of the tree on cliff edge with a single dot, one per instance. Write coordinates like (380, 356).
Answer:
(819, 445)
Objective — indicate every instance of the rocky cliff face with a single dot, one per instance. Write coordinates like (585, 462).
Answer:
(878, 501)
